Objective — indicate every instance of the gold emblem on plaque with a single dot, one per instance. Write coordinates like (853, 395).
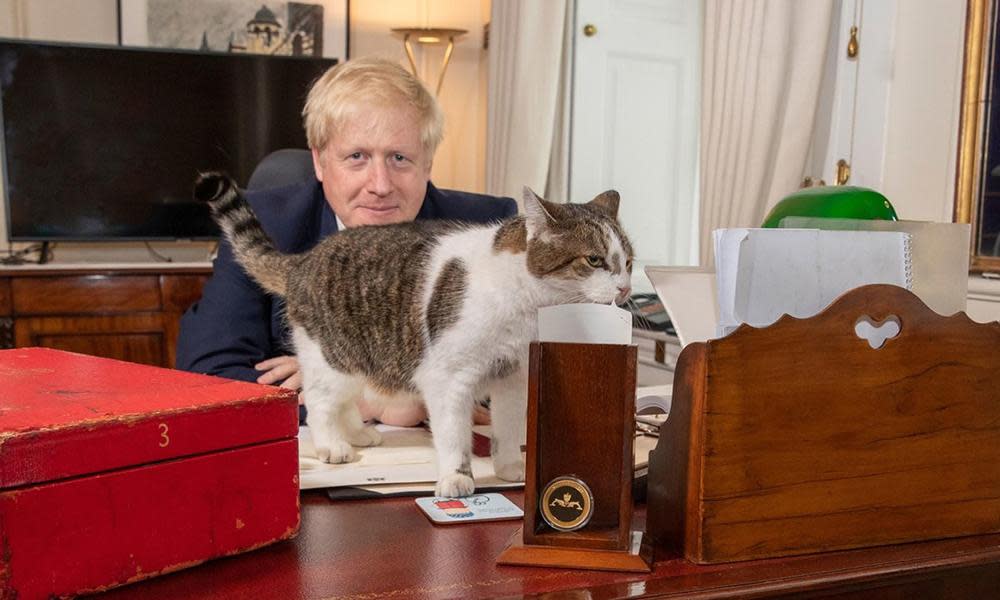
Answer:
(566, 503)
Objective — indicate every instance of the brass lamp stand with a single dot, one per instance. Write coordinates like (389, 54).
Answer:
(430, 36)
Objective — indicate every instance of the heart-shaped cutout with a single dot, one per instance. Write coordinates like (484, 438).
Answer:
(876, 333)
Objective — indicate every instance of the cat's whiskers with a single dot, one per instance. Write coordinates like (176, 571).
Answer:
(577, 298)
(642, 321)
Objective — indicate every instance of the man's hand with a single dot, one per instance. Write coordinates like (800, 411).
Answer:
(280, 370)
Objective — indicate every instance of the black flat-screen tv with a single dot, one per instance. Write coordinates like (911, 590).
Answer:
(104, 142)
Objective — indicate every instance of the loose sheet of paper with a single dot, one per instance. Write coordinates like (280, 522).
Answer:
(406, 455)
(585, 324)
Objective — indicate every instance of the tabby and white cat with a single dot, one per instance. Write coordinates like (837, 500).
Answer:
(437, 309)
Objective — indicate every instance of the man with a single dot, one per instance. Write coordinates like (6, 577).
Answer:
(372, 129)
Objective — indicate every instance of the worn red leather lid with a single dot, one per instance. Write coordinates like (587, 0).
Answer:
(64, 414)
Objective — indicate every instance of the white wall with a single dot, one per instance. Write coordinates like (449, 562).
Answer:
(922, 134)
(93, 21)
(984, 299)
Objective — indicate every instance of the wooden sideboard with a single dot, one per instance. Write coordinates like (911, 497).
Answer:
(124, 312)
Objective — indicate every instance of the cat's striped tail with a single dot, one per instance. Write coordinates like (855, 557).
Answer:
(251, 245)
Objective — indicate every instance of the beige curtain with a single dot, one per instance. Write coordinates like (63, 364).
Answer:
(762, 69)
(527, 137)
(17, 27)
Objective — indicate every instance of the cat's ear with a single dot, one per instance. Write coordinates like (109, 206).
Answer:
(537, 213)
(608, 202)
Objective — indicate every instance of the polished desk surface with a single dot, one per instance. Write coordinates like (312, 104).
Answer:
(387, 548)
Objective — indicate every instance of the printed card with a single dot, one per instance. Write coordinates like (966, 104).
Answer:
(480, 507)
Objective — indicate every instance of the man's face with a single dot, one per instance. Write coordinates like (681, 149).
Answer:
(375, 170)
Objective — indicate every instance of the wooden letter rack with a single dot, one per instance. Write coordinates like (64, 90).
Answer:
(801, 437)
(581, 426)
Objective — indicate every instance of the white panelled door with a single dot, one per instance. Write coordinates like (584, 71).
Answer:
(636, 91)
(859, 88)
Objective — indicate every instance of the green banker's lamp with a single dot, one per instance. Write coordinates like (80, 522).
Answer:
(832, 202)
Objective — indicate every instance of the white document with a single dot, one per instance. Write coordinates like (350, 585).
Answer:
(689, 297)
(653, 398)
(727, 256)
(765, 273)
(585, 324)
(939, 255)
(405, 456)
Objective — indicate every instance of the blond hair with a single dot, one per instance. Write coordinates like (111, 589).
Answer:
(368, 81)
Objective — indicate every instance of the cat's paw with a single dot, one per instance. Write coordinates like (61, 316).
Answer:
(337, 453)
(454, 486)
(512, 471)
(366, 436)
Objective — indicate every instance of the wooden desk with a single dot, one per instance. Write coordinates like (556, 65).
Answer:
(387, 548)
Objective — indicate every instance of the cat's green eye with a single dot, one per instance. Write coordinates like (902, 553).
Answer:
(595, 261)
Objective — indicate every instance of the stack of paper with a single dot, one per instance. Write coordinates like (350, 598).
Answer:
(405, 456)
(939, 256)
(766, 273)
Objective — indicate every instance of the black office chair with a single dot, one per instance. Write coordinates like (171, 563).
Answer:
(287, 166)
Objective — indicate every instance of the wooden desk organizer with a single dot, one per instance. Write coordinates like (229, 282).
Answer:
(581, 423)
(800, 437)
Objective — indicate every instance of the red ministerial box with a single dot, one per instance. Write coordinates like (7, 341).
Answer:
(111, 472)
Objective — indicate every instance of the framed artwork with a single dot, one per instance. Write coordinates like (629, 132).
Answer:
(311, 28)
(977, 196)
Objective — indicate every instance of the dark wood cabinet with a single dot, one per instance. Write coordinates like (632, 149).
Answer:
(128, 313)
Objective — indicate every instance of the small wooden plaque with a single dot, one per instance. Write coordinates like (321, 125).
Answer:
(581, 429)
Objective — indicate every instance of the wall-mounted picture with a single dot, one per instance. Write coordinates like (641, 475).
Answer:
(318, 28)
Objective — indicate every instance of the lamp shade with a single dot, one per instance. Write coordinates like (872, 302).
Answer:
(832, 202)
(429, 35)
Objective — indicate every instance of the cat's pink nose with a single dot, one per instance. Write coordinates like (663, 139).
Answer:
(623, 293)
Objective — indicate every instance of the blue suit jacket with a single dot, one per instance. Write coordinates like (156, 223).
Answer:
(236, 324)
